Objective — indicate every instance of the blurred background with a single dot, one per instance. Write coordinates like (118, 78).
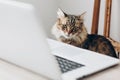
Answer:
(47, 9)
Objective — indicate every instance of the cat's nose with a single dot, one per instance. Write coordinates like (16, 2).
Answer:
(69, 34)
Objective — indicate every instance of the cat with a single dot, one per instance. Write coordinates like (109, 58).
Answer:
(71, 29)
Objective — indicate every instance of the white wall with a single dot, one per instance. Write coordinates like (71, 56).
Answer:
(115, 20)
(101, 17)
(47, 13)
(46, 10)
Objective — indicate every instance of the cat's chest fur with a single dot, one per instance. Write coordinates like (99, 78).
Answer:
(73, 40)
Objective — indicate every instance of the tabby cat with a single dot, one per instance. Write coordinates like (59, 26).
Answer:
(70, 29)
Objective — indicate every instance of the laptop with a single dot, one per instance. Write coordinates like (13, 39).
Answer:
(23, 43)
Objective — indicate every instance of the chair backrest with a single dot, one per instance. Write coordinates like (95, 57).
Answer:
(107, 20)
(95, 20)
(107, 17)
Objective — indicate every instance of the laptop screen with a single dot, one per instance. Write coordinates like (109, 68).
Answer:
(23, 41)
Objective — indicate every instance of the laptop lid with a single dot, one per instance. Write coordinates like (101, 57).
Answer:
(22, 40)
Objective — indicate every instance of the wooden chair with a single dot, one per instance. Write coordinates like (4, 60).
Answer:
(107, 20)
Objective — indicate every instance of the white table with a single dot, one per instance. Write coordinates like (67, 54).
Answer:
(12, 72)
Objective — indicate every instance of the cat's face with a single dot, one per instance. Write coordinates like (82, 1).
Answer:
(69, 25)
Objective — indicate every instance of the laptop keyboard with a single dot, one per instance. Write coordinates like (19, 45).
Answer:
(67, 65)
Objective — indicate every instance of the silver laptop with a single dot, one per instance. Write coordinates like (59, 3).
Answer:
(23, 43)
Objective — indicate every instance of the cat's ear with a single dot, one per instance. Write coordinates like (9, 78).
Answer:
(82, 15)
(60, 13)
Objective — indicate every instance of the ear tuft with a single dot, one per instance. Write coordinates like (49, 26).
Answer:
(82, 15)
(60, 13)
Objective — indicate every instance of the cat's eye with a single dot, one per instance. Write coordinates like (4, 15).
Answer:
(74, 30)
(64, 27)
(81, 23)
(77, 27)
